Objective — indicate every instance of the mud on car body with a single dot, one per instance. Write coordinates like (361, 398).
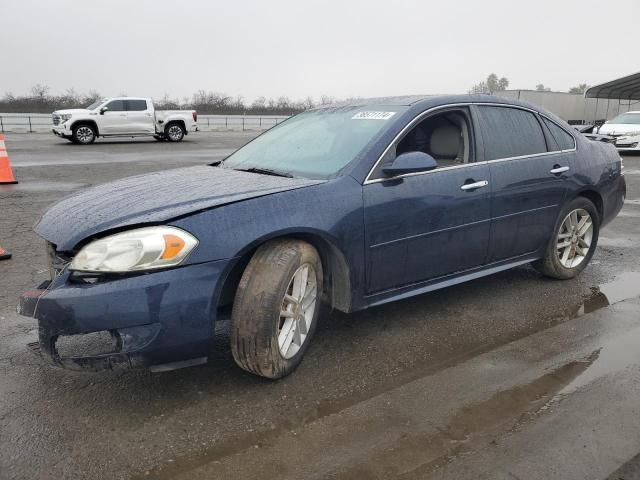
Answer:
(349, 205)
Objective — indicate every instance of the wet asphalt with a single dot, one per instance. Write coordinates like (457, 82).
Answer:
(508, 376)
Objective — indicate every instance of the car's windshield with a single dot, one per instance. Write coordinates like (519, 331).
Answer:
(629, 118)
(315, 144)
(95, 104)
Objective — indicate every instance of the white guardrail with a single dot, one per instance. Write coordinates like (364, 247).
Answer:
(41, 122)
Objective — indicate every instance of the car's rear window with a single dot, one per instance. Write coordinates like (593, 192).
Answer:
(315, 144)
(510, 132)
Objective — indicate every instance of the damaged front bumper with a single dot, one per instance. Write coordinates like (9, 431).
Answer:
(161, 320)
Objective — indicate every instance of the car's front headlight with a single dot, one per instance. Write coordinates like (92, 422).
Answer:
(65, 117)
(145, 248)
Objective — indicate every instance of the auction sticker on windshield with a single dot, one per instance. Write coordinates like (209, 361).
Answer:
(373, 115)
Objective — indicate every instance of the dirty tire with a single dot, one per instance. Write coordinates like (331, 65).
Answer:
(83, 134)
(174, 132)
(550, 265)
(259, 299)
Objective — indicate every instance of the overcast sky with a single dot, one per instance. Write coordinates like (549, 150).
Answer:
(298, 48)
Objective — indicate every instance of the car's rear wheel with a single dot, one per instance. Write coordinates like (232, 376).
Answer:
(574, 240)
(174, 132)
(276, 308)
(83, 134)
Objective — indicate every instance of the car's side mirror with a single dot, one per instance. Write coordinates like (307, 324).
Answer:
(410, 162)
(103, 109)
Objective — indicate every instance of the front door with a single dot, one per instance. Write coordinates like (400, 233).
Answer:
(422, 226)
(114, 120)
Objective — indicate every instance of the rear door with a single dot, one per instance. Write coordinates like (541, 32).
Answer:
(529, 178)
(139, 116)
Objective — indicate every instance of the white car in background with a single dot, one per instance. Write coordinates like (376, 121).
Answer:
(123, 117)
(625, 128)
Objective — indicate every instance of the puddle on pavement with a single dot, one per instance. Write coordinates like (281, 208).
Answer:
(616, 355)
(624, 286)
(40, 186)
(470, 428)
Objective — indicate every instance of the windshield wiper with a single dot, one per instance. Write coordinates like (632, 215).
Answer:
(265, 171)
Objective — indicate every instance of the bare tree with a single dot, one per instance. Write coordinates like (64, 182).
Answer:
(39, 91)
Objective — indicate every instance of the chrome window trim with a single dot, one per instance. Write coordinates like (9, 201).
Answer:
(368, 180)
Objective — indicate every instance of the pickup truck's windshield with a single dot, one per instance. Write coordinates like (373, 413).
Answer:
(314, 144)
(95, 104)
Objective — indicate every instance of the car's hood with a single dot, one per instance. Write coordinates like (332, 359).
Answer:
(71, 111)
(619, 129)
(153, 198)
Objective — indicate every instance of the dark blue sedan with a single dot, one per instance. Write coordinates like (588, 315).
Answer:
(351, 205)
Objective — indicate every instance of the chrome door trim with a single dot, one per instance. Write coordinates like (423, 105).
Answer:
(368, 180)
(555, 171)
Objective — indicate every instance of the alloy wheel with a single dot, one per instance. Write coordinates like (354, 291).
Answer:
(175, 133)
(297, 311)
(84, 134)
(574, 238)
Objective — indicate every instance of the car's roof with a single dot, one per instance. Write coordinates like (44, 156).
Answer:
(428, 101)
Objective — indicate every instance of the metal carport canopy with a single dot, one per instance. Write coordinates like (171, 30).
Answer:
(624, 88)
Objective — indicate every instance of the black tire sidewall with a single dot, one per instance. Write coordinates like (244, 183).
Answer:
(166, 132)
(74, 138)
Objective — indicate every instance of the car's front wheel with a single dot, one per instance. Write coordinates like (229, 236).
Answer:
(574, 240)
(83, 134)
(276, 307)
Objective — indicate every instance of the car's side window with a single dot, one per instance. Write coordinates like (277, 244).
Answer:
(446, 136)
(136, 105)
(564, 140)
(510, 132)
(116, 106)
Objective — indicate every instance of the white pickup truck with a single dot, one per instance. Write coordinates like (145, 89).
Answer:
(123, 117)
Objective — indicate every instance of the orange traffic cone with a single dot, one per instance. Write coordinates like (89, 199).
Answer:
(6, 175)
(4, 255)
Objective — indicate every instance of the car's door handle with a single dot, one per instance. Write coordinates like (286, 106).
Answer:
(474, 185)
(123, 114)
(558, 169)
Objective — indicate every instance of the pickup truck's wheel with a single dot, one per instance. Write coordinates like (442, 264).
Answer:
(573, 242)
(276, 307)
(174, 132)
(83, 134)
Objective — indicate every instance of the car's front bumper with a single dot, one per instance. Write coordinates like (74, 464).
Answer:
(61, 130)
(165, 318)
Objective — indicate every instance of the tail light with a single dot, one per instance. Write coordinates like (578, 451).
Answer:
(195, 116)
